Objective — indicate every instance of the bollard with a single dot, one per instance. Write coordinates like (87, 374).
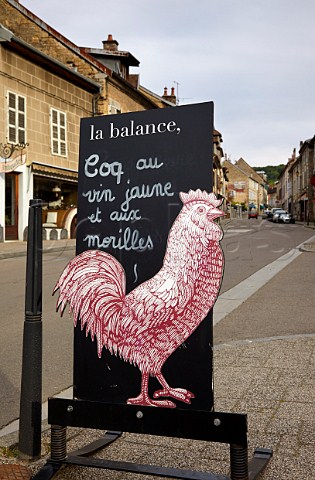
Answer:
(31, 381)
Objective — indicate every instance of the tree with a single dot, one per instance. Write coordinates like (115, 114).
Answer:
(272, 172)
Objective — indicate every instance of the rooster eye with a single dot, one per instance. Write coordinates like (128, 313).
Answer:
(201, 210)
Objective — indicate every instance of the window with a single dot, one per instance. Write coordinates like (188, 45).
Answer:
(58, 133)
(114, 107)
(16, 118)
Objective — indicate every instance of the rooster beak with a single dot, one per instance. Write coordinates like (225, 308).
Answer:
(216, 212)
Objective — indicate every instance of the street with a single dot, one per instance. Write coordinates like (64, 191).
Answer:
(248, 246)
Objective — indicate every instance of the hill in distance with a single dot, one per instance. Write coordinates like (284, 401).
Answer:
(272, 172)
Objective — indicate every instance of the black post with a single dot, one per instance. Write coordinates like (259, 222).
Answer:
(31, 383)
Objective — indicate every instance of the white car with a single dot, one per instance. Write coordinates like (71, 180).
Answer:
(286, 218)
(270, 213)
(276, 215)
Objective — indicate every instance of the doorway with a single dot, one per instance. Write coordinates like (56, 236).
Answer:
(11, 206)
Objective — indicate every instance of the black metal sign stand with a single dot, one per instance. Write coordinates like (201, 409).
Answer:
(220, 427)
(31, 379)
(133, 168)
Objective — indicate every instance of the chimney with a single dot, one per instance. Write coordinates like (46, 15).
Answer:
(110, 44)
(170, 98)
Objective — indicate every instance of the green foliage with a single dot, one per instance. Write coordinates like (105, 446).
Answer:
(9, 452)
(272, 172)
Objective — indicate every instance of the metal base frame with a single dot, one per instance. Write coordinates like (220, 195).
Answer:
(220, 427)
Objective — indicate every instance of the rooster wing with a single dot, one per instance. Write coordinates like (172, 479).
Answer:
(151, 323)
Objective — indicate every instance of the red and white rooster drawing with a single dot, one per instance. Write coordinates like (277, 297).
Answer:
(148, 324)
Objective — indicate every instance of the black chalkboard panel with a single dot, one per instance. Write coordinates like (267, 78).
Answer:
(132, 168)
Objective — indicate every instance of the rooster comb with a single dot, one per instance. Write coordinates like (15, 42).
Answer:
(198, 195)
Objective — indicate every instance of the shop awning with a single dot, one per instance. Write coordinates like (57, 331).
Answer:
(53, 172)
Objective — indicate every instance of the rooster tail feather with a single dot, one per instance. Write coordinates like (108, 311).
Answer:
(94, 286)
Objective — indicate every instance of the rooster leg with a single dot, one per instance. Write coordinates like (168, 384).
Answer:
(144, 399)
(177, 393)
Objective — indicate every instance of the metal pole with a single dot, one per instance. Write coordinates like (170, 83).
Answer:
(31, 382)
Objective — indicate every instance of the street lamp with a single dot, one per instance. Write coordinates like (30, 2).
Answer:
(7, 149)
(8, 161)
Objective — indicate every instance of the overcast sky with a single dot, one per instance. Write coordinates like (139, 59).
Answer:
(254, 58)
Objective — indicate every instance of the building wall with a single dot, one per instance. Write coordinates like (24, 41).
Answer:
(42, 91)
(257, 188)
(237, 186)
(126, 101)
(295, 190)
(253, 198)
(37, 33)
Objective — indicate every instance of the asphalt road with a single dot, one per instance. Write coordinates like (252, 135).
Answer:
(248, 246)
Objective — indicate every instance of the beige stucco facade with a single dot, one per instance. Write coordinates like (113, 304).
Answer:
(43, 91)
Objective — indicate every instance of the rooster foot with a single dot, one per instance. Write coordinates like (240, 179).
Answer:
(148, 402)
(177, 393)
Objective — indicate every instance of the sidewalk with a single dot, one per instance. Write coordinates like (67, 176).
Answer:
(271, 379)
(19, 248)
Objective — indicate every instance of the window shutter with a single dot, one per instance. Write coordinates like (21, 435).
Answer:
(16, 118)
(58, 133)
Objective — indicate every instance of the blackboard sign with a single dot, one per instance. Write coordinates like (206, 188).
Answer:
(132, 169)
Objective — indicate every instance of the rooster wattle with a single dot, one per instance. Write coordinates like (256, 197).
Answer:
(148, 324)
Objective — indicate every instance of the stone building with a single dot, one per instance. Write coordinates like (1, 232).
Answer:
(296, 183)
(301, 174)
(244, 186)
(42, 102)
(284, 186)
(237, 185)
(47, 85)
(257, 190)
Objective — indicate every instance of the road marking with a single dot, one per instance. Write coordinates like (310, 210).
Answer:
(250, 341)
(233, 298)
(237, 230)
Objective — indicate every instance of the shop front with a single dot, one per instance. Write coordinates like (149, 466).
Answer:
(11, 205)
(12, 164)
(57, 188)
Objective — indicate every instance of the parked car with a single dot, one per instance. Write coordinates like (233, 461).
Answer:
(286, 218)
(276, 215)
(270, 213)
(266, 214)
(253, 213)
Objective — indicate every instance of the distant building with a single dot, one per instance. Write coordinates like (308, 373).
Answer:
(273, 200)
(301, 172)
(245, 186)
(257, 193)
